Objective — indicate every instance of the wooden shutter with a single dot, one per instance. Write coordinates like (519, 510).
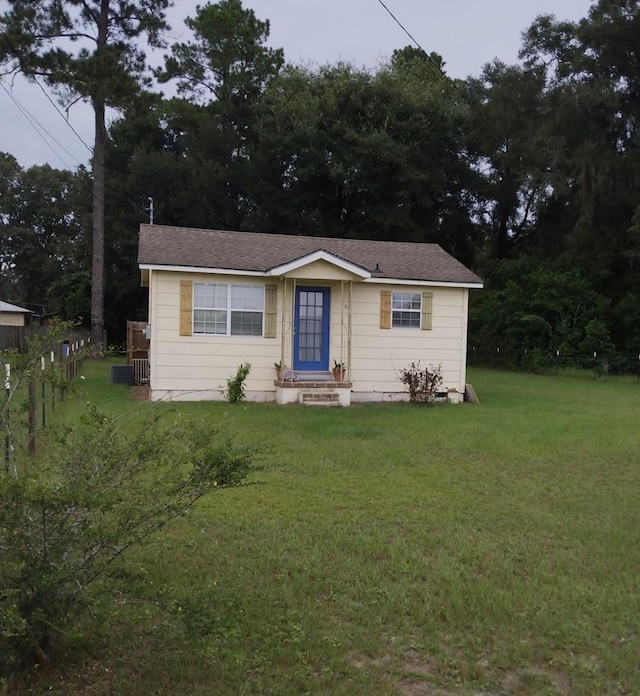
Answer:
(385, 309)
(186, 307)
(270, 310)
(427, 310)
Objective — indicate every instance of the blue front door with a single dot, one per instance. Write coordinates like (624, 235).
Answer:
(311, 339)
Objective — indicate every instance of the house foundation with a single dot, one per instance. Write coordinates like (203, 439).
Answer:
(323, 393)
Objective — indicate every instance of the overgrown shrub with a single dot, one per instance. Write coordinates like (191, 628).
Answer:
(67, 517)
(423, 383)
(235, 385)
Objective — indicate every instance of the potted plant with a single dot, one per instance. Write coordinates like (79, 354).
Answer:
(339, 370)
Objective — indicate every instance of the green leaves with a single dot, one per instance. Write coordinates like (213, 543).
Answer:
(103, 485)
(342, 152)
(235, 384)
(86, 48)
(42, 239)
(228, 61)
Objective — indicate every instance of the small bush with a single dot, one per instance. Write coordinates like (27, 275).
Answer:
(423, 384)
(67, 518)
(235, 385)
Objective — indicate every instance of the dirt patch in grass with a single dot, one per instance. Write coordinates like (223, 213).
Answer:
(532, 681)
(418, 663)
(422, 671)
(418, 688)
(139, 392)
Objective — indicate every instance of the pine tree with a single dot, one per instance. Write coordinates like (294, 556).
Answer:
(85, 50)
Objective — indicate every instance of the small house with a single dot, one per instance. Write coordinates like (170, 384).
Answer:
(294, 307)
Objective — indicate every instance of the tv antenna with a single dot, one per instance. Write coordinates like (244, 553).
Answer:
(150, 209)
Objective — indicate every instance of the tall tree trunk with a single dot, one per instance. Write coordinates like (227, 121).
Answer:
(97, 255)
(98, 168)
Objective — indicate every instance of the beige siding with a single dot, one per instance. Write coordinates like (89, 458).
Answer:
(320, 271)
(11, 319)
(378, 355)
(203, 363)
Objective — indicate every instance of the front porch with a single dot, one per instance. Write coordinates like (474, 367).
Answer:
(315, 348)
(312, 389)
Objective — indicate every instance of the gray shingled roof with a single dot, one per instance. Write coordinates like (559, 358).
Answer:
(163, 245)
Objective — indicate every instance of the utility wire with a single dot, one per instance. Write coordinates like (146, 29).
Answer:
(33, 121)
(404, 29)
(436, 65)
(66, 120)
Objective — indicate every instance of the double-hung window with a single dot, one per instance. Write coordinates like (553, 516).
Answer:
(406, 308)
(228, 310)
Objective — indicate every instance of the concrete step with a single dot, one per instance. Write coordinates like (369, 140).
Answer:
(319, 398)
(314, 376)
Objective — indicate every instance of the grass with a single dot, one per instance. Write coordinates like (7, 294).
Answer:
(392, 549)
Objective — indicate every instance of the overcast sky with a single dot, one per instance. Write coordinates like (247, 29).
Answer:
(466, 33)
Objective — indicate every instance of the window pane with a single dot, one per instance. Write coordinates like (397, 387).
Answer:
(246, 323)
(309, 354)
(210, 309)
(406, 309)
(249, 297)
(406, 300)
(219, 296)
(411, 319)
(209, 296)
(208, 321)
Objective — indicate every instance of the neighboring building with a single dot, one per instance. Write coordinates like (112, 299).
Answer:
(218, 299)
(12, 315)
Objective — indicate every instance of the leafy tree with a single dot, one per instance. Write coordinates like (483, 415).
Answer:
(531, 312)
(342, 152)
(146, 155)
(511, 153)
(43, 241)
(594, 86)
(229, 61)
(10, 175)
(84, 49)
(226, 69)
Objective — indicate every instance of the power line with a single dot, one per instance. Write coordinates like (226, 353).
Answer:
(436, 65)
(66, 120)
(33, 121)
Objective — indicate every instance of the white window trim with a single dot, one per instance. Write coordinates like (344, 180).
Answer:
(417, 311)
(228, 310)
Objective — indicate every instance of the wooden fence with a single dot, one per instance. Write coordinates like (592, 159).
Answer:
(138, 350)
(18, 337)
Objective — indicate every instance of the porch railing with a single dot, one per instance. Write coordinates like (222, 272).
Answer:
(140, 370)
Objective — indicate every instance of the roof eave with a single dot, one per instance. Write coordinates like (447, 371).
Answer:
(430, 283)
(198, 269)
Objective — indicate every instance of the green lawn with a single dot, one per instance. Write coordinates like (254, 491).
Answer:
(393, 549)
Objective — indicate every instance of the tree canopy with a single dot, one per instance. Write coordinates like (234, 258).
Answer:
(84, 49)
(529, 173)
